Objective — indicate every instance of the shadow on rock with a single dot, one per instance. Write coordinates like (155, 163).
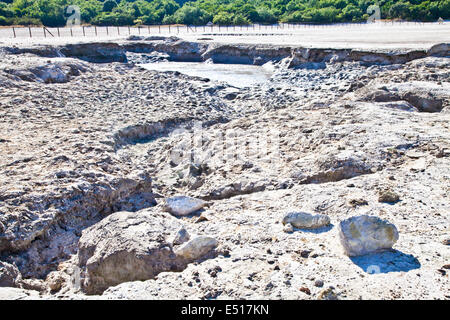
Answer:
(387, 261)
(317, 230)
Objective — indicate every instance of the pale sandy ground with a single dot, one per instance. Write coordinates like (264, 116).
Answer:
(381, 35)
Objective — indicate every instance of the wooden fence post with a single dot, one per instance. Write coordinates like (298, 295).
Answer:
(46, 30)
(14, 32)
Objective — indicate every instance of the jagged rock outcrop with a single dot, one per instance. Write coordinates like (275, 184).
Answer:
(9, 275)
(56, 70)
(83, 201)
(128, 246)
(425, 96)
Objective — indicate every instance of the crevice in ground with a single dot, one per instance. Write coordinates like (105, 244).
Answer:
(180, 50)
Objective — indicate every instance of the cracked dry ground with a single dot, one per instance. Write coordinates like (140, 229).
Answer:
(105, 141)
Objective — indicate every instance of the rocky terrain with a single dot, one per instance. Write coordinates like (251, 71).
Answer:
(94, 148)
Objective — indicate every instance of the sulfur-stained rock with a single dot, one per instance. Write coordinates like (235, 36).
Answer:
(365, 234)
(306, 220)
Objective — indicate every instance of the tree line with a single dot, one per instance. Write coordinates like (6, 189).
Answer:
(52, 13)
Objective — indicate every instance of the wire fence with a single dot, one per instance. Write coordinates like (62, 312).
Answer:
(111, 31)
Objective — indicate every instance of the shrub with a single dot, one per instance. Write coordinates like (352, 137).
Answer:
(4, 21)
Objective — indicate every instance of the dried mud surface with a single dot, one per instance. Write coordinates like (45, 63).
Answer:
(90, 133)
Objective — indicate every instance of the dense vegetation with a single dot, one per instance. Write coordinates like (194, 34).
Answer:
(224, 12)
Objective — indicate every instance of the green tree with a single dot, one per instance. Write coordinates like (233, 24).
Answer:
(399, 10)
(222, 18)
(190, 14)
(109, 5)
(265, 15)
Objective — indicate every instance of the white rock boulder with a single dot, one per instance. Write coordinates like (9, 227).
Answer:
(196, 248)
(127, 246)
(305, 220)
(365, 234)
(133, 246)
(183, 205)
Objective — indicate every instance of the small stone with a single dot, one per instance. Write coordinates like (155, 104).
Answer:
(181, 237)
(358, 202)
(288, 228)
(269, 286)
(388, 196)
(442, 272)
(327, 294)
(213, 272)
(318, 283)
(365, 234)
(305, 290)
(305, 253)
(201, 218)
(305, 220)
(183, 205)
